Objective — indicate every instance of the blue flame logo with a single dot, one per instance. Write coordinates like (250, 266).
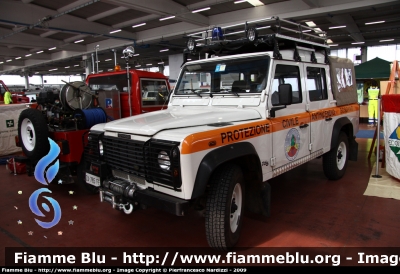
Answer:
(45, 176)
(34, 207)
(40, 169)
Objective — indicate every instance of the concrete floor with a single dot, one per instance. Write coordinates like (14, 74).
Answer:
(307, 210)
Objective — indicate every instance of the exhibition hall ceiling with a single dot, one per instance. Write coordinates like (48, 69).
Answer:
(61, 37)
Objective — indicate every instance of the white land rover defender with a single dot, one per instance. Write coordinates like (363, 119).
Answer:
(251, 109)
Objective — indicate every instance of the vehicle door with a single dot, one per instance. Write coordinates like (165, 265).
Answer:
(318, 105)
(291, 124)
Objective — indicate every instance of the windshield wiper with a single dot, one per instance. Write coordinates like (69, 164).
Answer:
(192, 90)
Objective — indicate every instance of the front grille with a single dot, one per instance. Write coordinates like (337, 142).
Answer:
(141, 159)
(124, 155)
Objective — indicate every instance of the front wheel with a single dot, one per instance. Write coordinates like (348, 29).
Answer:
(224, 207)
(335, 161)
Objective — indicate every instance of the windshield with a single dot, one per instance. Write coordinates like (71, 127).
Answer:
(247, 75)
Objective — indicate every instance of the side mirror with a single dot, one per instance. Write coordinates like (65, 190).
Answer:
(285, 94)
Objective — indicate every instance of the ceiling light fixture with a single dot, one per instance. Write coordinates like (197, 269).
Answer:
(164, 50)
(255, 3)
(53, 69)
(107, 60)
(52, 48)
(307, 30)
(376, 22)
(1, 62)
(311, 24)
(160, 63)
(334, 45)
(114, 31)
(240, 1)
(39, 52)
(76, 66)
(166, 18)
(28, 55)
(356, 43)
(139, 25)
(337, 27)
(138, 66)
(387, 40)
(9, 60)
(67, 67)
(17, 58)
(76, 42)
(199, 10)
(149, 64)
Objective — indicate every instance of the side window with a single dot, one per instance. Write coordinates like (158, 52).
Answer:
(316, 84)
(286, 74)
(154, 92)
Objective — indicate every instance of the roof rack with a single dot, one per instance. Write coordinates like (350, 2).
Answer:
(271, 33)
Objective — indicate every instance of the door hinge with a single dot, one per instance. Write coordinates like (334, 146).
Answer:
(307, 107)
(273, 159)
(310, 147)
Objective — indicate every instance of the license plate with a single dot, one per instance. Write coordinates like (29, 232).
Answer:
(92, 180)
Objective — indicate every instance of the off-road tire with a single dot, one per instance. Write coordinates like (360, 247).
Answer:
(33, 134)
(335, 161)
(223, 222)
(81, 178)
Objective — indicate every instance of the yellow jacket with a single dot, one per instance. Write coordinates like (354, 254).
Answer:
(7, 98)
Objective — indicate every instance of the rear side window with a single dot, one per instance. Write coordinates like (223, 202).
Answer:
(286, 74)
(316, 84)
(154, 92)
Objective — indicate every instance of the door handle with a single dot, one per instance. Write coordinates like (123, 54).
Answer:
(328, 119)
(304, 125)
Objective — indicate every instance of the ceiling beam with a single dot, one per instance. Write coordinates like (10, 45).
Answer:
(351, 26)
(162, 9)
(106, 13)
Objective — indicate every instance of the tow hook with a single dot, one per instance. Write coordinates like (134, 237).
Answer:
(125, 209)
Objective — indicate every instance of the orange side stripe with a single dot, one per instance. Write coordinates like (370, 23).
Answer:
(228, 135)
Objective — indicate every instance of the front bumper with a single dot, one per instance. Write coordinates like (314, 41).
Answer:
(144, 198)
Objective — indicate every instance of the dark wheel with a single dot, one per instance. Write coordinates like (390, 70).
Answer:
(33, 134)
(81, 178)
(224, 207)
(335, 161)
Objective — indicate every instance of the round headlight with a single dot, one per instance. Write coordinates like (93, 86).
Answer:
(163, 160)
(101, 148)
(191, 44)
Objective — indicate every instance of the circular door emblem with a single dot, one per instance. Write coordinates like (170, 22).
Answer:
(292, 144)
(394, 142)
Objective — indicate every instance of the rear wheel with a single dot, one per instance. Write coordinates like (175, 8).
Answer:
(33, 134)
(224, 207)
(335, 161)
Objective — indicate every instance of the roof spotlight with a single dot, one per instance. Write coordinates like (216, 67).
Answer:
(252, 34)
(128, 52)
(191, 44)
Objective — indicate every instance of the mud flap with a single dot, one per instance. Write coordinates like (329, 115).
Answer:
(353, 149)
(258, 199)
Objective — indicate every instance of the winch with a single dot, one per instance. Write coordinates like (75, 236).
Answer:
(115, 192)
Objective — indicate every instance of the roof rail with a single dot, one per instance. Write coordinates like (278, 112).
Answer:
(270, 33)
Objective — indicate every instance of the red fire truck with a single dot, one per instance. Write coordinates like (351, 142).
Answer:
(66, 116)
